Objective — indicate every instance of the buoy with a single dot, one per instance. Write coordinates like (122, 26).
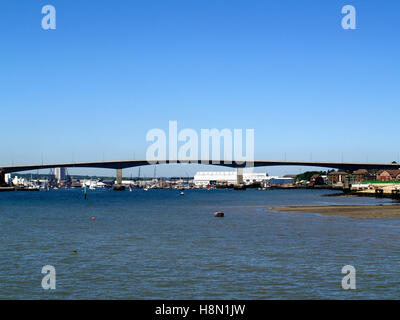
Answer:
(93, 218)
(219, 214)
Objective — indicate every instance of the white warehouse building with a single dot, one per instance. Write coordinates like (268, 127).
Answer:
(204, 178)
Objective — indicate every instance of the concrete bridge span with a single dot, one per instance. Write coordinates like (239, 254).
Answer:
(256, 163)
(119, 165)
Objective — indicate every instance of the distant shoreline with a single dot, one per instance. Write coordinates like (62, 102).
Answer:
(351, 211)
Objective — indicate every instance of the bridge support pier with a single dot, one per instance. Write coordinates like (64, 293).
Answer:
(118, 183)
(119, 176)
(239, 175)
(3, 179)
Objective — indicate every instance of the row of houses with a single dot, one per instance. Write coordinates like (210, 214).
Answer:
(356, 177)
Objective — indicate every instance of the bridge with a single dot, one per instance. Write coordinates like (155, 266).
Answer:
(119, 165)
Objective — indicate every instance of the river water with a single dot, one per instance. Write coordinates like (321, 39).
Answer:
(161, 245)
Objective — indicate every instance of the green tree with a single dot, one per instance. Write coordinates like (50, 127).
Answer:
(308, 174)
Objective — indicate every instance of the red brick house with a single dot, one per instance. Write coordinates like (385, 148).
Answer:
(388, 175)
(362, 175)
(337, 176)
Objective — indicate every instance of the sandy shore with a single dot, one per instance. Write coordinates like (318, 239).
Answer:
(363, 211)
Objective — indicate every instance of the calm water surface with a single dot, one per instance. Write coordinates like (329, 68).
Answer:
(158, 244)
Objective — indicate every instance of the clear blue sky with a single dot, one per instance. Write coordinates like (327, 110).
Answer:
(112, 70)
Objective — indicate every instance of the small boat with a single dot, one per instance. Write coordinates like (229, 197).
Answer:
(219, 214)
(146, 189)
(182, 193)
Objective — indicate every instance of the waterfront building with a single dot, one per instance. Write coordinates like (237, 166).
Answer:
(388, 175)
(249, 178)
(361, 175)
(204, 178)
(274, 180)
(59, 174)
(336, 177)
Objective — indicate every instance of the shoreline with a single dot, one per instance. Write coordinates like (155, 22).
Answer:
(350, 211)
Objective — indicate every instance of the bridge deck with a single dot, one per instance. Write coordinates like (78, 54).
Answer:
(257, 163)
